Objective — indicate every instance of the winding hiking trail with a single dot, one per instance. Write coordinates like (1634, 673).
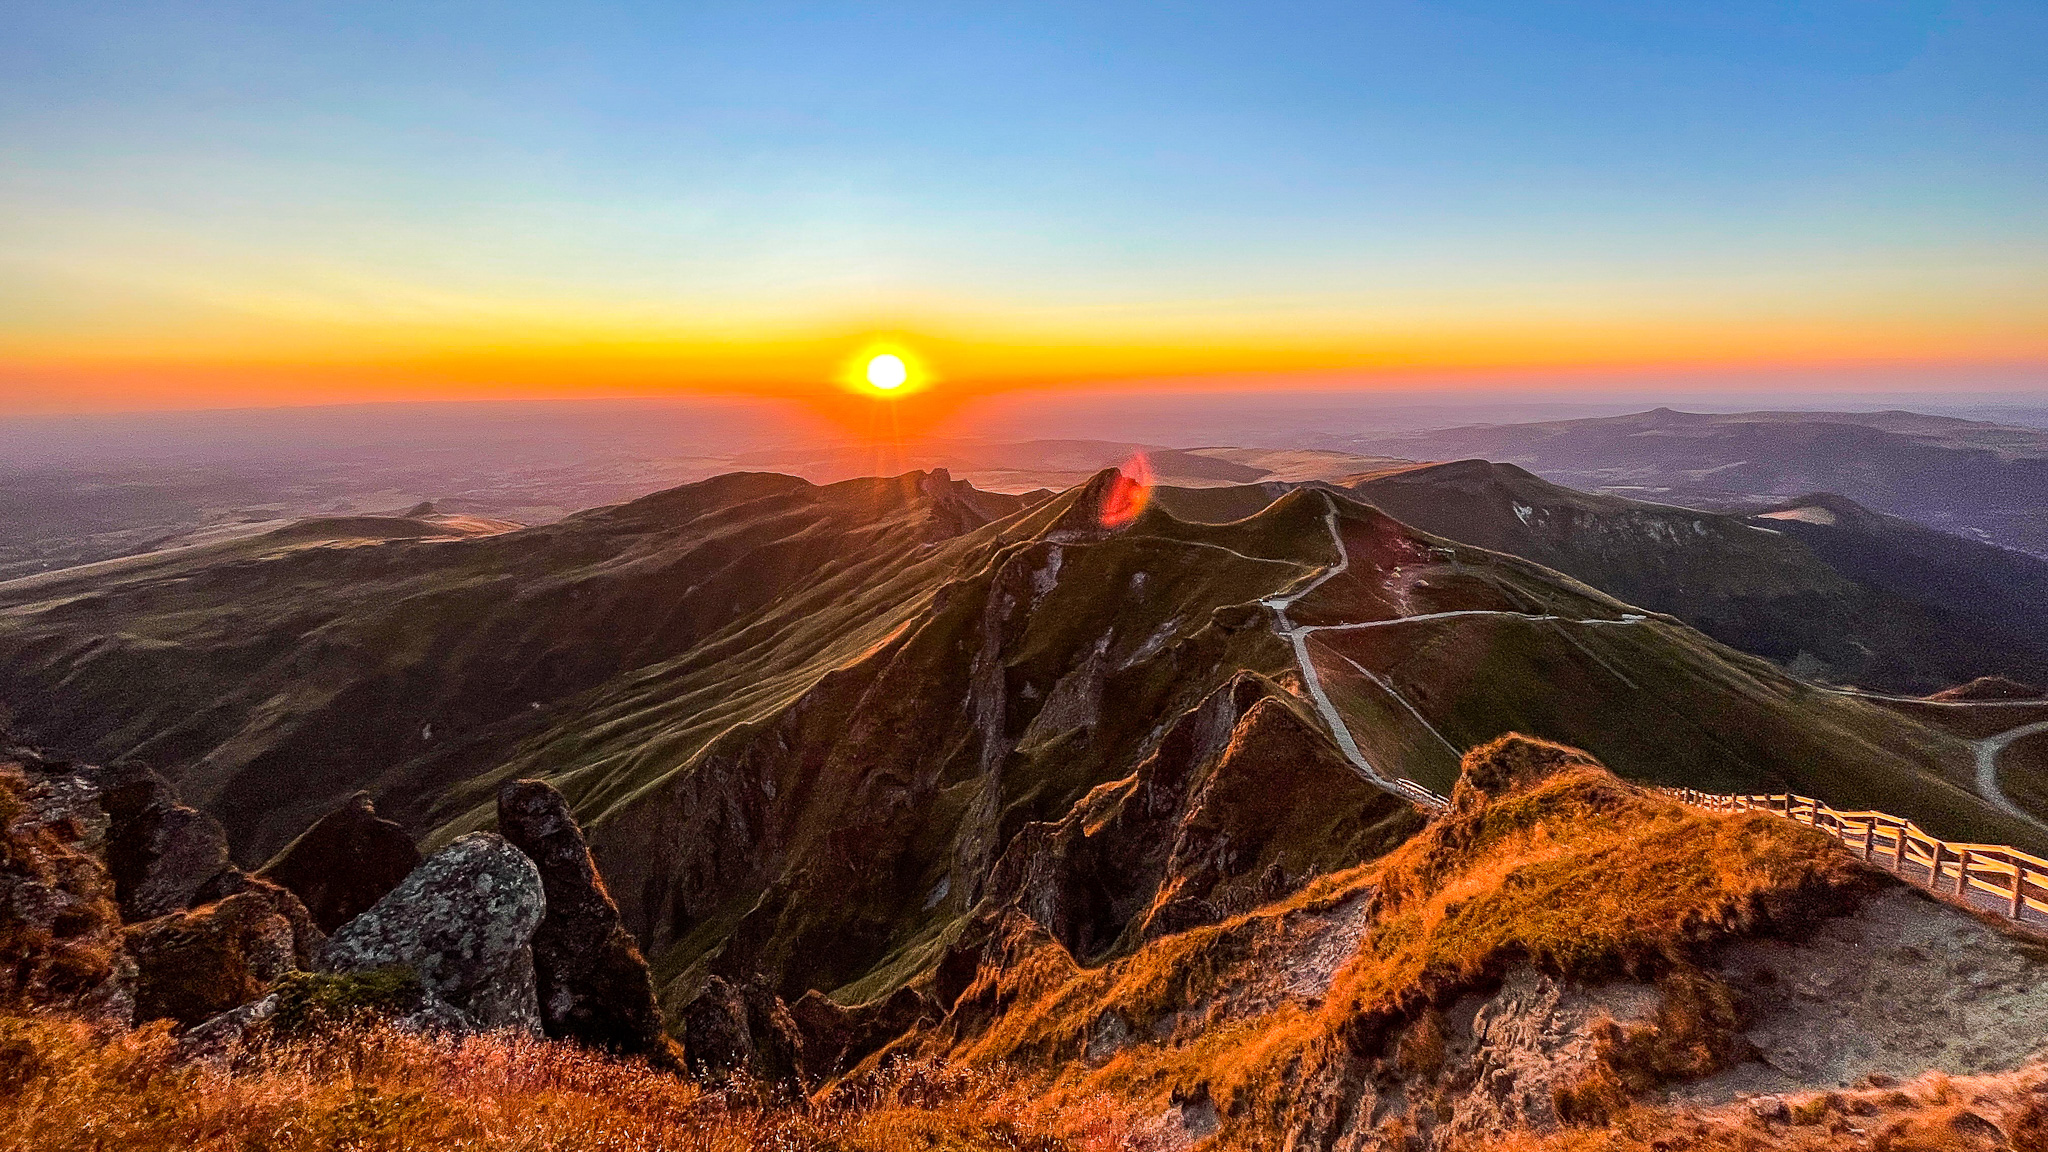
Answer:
(1865, 694)
(1310, 678)
(1987, 769)
(1297, 636)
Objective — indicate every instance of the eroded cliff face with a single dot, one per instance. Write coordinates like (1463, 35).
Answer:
(844, 839)
(1242, 801)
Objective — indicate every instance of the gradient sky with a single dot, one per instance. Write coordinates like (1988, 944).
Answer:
(208, 204)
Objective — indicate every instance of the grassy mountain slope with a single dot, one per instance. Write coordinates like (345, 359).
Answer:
(1864, 599)
(818, 732)
(277, 675)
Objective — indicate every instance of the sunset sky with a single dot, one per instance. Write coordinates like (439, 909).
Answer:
(251, 204)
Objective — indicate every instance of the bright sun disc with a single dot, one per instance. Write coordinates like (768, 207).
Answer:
(887, 371)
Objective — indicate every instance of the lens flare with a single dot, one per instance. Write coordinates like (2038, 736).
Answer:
(1129, 494)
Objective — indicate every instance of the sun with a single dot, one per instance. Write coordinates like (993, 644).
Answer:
(887, 371)
(884, 369)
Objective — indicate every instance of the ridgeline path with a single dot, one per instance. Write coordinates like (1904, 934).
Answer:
(1987, 770)
(1297, 636)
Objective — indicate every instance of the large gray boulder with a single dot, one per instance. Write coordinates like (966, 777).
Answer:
(463, 922)
(594, 985)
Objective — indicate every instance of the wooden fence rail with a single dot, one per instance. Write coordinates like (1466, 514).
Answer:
(2003, 879)
(1419, 794)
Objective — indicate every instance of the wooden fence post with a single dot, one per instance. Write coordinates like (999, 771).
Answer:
(1934, 869)
(1963, 874)
(2019, 889)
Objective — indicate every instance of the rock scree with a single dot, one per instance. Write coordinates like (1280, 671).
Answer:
(345, 862)
(593, 983)
(60, 931)
(463, 922)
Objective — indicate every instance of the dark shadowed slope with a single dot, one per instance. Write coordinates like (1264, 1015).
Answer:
(1982, 585)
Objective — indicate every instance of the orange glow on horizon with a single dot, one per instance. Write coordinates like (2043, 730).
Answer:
(830, 371)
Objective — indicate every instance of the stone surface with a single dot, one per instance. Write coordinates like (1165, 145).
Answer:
(837, 1037)
(194, 965)
(1904, 985)
(463, 922)
(216, 1038)
(59, 927)
(742, 1030)
(161, 852)
(1513, 761)
(345, 862)
(307, 939)
(593, 983)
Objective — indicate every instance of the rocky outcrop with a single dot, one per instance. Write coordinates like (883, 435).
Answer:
(307, 939)
(593, 983)
(59, 926)
(1242, 800)
(836, 1037)
(733, 1029)
(161, 852)
(345, 862)
(1509, 762)
(218, 1036)
(191, 966)
(463, 922)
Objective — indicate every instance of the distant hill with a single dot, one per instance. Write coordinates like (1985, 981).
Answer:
(1988, 481)
(1864, 599)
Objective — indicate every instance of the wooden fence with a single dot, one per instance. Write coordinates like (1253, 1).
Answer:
(1416, 793)
(1990, 876)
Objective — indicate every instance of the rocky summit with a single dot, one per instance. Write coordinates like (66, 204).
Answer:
(345, 862)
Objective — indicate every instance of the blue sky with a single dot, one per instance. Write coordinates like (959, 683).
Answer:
(202, 180)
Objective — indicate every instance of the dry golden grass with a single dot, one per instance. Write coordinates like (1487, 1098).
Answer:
(1546, 861)
(1583, 877)
(1935, 1113)
(65, 1086)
